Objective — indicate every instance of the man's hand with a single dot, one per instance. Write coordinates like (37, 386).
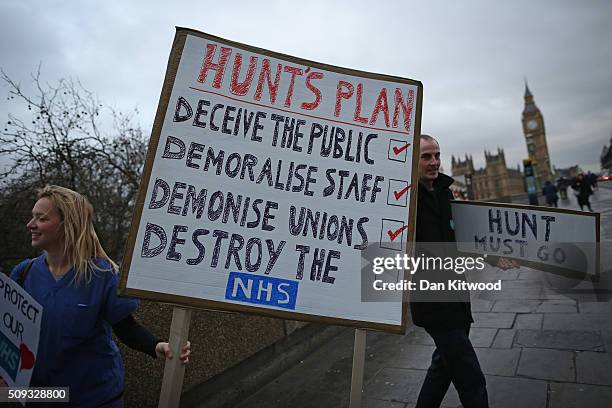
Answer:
(162, 349)
(507, 263)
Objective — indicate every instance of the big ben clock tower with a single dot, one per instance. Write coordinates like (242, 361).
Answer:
(535, 137)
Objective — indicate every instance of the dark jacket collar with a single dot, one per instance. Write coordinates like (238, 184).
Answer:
(441, 183)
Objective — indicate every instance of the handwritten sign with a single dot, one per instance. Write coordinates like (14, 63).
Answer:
(544, 237)
(266, 177)
(19, 333)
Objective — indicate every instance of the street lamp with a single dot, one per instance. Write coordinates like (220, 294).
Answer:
(530, 182)
(469, 187)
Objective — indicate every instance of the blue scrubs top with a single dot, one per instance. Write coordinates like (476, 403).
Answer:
(76, 348)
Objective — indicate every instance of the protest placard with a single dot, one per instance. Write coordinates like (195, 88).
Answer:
(266, 176)
(541, 237)
(19, 333)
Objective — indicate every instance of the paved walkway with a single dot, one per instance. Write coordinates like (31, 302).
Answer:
(544, 350)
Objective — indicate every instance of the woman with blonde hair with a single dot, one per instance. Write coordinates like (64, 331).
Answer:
(76, 283)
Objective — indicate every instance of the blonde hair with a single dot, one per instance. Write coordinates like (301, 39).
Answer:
(81, 243)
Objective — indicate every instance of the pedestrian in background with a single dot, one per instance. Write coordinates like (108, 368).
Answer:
(583, 188)
(550, 193)
(562, 184)
(592, 177)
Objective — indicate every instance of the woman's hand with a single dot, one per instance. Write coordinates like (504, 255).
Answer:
(162, 349)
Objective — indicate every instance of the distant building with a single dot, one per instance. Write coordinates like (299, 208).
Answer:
(535, 138)
(495, 181)
(568, 172)
(498, 182)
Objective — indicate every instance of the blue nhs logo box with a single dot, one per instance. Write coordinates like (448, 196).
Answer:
(261, 290)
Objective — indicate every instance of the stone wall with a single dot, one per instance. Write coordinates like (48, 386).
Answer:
(218, 341)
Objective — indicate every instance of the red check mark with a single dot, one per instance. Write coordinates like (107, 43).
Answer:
(398, 150)
(394, 234)
(399, 194)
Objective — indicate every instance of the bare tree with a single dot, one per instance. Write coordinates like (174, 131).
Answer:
(67, 137)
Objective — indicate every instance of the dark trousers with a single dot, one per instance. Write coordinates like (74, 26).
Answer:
(453, 360)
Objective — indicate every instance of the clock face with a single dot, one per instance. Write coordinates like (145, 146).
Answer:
(532, 124)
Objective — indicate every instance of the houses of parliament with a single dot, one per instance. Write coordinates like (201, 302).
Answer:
(498, 182)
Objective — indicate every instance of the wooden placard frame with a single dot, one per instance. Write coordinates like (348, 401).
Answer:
(164, 100)
(537, 265)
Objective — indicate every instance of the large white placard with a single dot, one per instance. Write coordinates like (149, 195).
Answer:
(19, 332)
(557, 238)
(267, 178)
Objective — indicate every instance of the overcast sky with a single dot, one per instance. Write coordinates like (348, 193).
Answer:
(472, 57)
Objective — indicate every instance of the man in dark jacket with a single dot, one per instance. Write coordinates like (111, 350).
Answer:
(448, 323)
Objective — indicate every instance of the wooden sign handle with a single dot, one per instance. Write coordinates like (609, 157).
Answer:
(174, 371)
(358, 365)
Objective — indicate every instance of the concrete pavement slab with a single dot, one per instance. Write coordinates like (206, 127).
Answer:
(482, 337)
(595, 307)
(500, 274)
(265, 399)
(508, 392)
(516, 306)
(521, 284)
(560, 339)
(551, 294)
(418, 335)
(396, 384)
(576, 321)
(558, 306)
(543, 303)
(504, 339)
(607, 339)
(530, 274)
(382, 350)
(279, 397)
(534, 293)
(452, 398)
(494, 320)
(481, 305)
(381, 345)
(376, 403)
(564, 395)
(594, 368)
(498, 362)
(413, 356)
(512, 392)
(418, 355)
(547, 364)
(323, 379)
(528, 321)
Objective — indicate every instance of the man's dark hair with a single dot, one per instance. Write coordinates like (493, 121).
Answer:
(427, 137)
